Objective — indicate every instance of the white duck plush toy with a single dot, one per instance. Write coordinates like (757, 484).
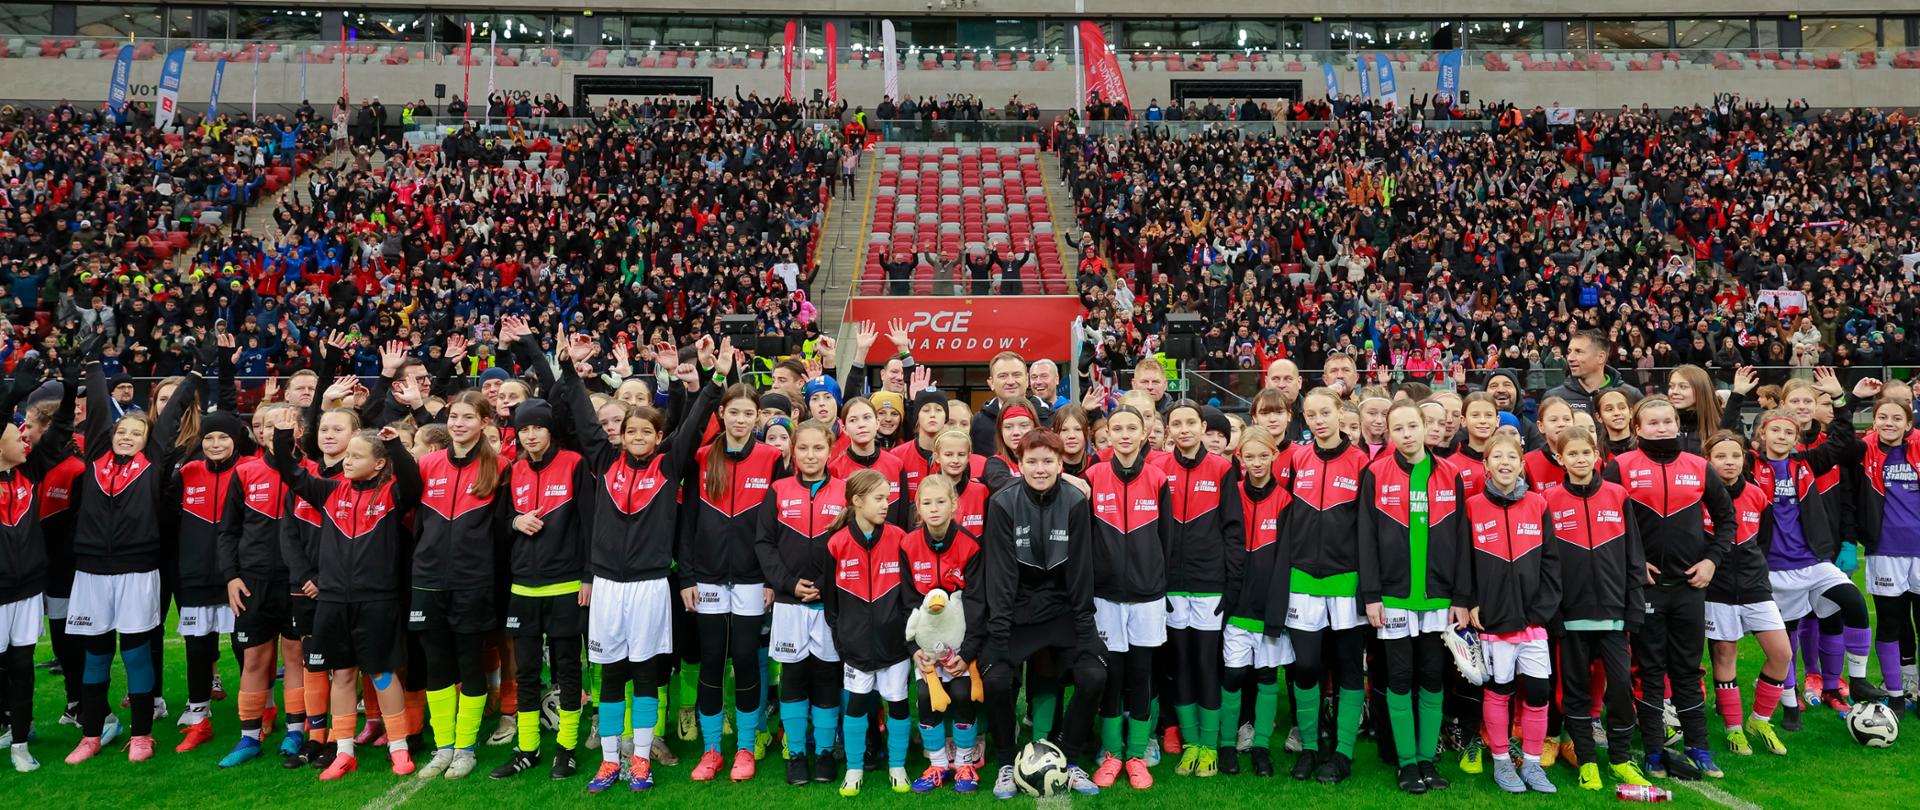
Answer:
(938, 627)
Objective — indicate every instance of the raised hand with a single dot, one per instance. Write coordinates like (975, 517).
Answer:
(921, 380)
(897, 332)
(582, 347)
(1825, 380)
(865, 338)
(339, 390)
(392, 355)
(724, 361)
(1745, 379)
(456, 346)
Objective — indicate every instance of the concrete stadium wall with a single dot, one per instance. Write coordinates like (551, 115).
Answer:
(1423, 9)
(41, 81)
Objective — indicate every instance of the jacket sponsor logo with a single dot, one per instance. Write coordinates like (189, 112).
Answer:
(1205, 485)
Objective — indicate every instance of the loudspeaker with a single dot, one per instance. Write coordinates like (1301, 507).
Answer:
(1184, 323)
(1184, 347)
(439, 91)
(737, 327)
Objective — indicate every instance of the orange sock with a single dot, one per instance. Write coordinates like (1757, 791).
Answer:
(343, 726)
(295, 696)
(371, 703)
(251, 704)
(319, 696)
(416, 712)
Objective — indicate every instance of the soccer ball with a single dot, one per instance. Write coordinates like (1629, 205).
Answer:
(550, 710)
(1041, 769)
(1873, 725)
(1468, 655)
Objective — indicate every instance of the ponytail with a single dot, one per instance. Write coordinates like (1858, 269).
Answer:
(719, 471)
(483, 452)
(864, 482)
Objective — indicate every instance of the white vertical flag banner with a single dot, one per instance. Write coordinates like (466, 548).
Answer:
(891, 67)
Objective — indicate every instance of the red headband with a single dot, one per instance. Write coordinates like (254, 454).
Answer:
(1017, 410)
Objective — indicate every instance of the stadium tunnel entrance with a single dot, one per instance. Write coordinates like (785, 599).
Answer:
(1185, 90)
(587, 89)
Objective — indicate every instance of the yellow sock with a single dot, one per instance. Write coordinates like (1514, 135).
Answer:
(441, 707)
(569, 728)
(466, 729)
(529, 725)
(660, 723)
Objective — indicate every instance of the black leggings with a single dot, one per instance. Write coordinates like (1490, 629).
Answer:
(1197, 664)
(1852, 612)
(203, 655)
(1896, 622)
(1578, 650)
(1310, 662)
(960, 709)
(71, 655)
(16, 664)
(1129, 684)
(1089, 675)
(614, 678)
(812, 680)
(135, 654)
(1416, 662)
(1533, 691)
(454, 657)
(723, 637)
(563, 655)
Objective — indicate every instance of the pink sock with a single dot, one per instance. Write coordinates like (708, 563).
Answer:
(1496, 721)
(1597, 684)
(1766, 696)
(1533, 729)
(1727, 696)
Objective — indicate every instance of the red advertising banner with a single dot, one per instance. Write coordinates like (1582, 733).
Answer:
(973, 330)
(1102, 67)
(786, 61)
(833, 63)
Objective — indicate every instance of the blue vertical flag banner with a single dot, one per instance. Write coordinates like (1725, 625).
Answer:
(1333, 81)
(1389, 90)
(1363, 67)
(117, 89)
(168, 104)
(1450, 73)
(213, 99)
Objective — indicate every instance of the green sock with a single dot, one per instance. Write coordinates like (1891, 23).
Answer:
(1347, 725)
(1400, 715)
(689, 683)
(1229, 707)
(1110, 737)
(1189, 721)
(528, 725)
(442, 706)
(466, 723)
(1306, 715)
(1139, 732)
(569, 732)
(1210, 727)
(1041, 703)
(1266, 706)
(1428, 736)
(660, 717)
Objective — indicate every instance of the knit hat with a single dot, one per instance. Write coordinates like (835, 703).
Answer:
(776, 401)
(533, 412)
(930, 399)
(226, 422)
(889, 399)
(495, 373)
(1215, 420)
(1508, 419)
(827, 385)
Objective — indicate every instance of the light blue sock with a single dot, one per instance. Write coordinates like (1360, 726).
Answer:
(965, 736)
(899, 739)
(710, 729)
(138, 662)
(825, 722)
(767, 691)
(853, 736)
(646, 711)
(934, 737)
(747, 724)
(613, 715)
(793, 720)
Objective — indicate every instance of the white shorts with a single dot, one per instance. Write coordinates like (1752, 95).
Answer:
(1530, 658)
(1403, 623)
(1194, 612)
(57, 608)
(1892, 576)
(800, 631)
(891, 682)
(1798, 592)
(749, 599)
(629, 621)
(1240, 647)
(20, 623)
(114, 603)
(1733, 622)
(1314, 613)
(1126, 625)
(199, 621)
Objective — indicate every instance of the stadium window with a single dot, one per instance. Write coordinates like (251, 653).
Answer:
(1840, 33)
(1269, 34)
(1405, 35)
(754, 32)
(1893, 32)
(519, 29)
(180, 24)
(1148, 34)
(1516, 35)
(117, 22)
(1766, 34)
(277, 24)
(26, 19)
(1735, 34)
(613, 30)
(1347, 35)
(387, 26)
(1629, 34)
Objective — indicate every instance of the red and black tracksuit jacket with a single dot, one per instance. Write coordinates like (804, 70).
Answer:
(1544, 471)
(1675, 498)
(719, 550)
(1262, 551)
(868, 600)
(1816, 519)
(1872, 497)
(1323, 519)
(1741, 578)
(363, 525)
(1834, 454)
(1205, 524)
(203, 490)
(118, 530)
(552, 489)
(1516, 568)
(998, 472)
(970, 509)
(794, 520)
(845, 464)
(1602, 565)
(303, 530)
(950, 563)
(1472, 465)
(251, 527)
(1132, 527)
(24, 540)
(461, 534)
(1387, 556)
(58, 516)
(916, 464)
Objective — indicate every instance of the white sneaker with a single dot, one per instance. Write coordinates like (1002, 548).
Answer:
(979, 753)
(6, 737)
(438, 765)
(71, 717)
(23, 760)
(1244, 739)
(506, 732)
(898, 778)
(110, 730)
(1003, 787)
(662, 753)
(1152, 755)
(1079, 782)
(850, 784)
(589, 723)
(1293, 741)
(159, 709)
(626, 747)
(464, 761)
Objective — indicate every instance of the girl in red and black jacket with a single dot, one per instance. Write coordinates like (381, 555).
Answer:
(201, 491)
(1249, 653)
(57, 518)
(1479, 420)
(631, 530)
(867, 603)
(356, 577)
(1740, 603)
(1603, 569)
(1544, 470)
(794, 521)
(1889, 520)
(1811, 405)
(117, 552)
(943, 555)
(859, 423)
(321, 439)
(921, 457)
(953, 453)
(1513, 593)
(1204, 528)
(1413, 548)
(728, 592)
(23, 553)
(1004, 465)
(1674, 498)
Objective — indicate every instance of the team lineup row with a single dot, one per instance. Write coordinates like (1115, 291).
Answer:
(1431, 553)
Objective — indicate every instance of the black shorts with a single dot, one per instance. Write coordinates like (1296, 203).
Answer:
(362, 635)
(267, 615)
(300, 609)
(551, 616)
(468, 610)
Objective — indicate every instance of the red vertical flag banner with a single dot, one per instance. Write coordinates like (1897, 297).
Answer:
(786, 61)
(466, 82)
(833, 63)
(1101, 66)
